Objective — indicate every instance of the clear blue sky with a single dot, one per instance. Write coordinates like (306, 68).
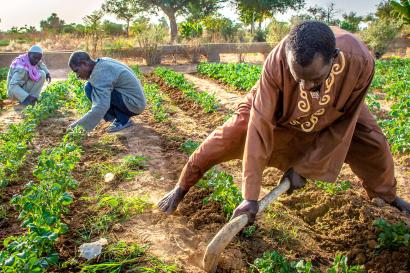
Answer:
(28, 12)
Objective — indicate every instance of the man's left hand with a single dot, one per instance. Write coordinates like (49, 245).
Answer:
(249, 207)
(48, 77)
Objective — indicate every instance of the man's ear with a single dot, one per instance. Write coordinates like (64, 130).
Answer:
(336, 53)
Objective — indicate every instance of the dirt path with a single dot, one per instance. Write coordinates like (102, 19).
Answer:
(228, 100)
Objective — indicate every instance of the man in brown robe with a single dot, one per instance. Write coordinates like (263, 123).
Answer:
(306, 117)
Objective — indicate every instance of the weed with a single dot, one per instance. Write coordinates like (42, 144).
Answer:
(249, 231)
(333, 188)
(129, 257)
(189, 146)
(272, 262)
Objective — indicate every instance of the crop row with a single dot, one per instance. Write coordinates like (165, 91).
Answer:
(208, 102)
(154, 97)
(242, 76)
(41, 207)
(391, 78)
(3, 83)
(14, 142)
(43, 203)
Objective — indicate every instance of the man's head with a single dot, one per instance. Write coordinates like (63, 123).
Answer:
(310, 52)
(35, 53)
(81, 64)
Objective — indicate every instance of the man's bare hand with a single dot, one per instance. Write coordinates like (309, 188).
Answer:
(296, 180)
(48, 77)
(249, 207)
(170, 201)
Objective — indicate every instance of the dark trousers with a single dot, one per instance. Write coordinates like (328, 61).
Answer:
(118, 111)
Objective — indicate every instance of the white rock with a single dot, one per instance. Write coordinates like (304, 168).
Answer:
(92, 250)
(109, 177)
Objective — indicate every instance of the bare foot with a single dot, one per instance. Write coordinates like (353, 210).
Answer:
(170, 201)
(402, 205)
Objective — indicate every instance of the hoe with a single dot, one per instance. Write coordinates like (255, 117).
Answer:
(228, 232)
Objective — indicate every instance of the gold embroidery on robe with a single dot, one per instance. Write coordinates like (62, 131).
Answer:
(336, 69)
(304, 105)
(309, 125)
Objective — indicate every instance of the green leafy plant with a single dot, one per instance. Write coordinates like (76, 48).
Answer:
(392, 235)
(156, 102)
(3, 89)
(189, 146)
(391, 78)
(224, 190)
(340, 266)
(272, 262)
(242, 76)
(333, 188)
(249, 231)
(3, 73)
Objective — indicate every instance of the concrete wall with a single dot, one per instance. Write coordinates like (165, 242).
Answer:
(53, 60)
(59, 59)
(210, 51)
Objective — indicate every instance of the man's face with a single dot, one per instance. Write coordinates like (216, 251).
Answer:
(34, 57)
(83, 70)
(311, 77)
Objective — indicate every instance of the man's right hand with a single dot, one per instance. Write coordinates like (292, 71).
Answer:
(170, 201)
(296, 180)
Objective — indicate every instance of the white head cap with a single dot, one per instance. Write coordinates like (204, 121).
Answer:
(36, 49)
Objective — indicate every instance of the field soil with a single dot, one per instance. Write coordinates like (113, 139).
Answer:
(309, 224)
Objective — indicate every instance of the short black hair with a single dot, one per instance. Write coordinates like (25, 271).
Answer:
(308, 38)
(77, 57)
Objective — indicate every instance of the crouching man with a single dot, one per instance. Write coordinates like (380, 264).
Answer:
(113, 88)
(26, 76)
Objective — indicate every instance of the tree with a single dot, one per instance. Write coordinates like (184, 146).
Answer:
(112, 29)
(93, 28)
(149, 36)
(384, 10)
(52, 23)
(379, 34)
(217, 26)
(251, 11)
(172, 8)
(123, 9)
(402, 9)
(325, 14)
(277, 31)
(330, 13)
(351, 21)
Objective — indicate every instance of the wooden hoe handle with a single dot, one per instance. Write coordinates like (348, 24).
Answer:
(229, 230)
